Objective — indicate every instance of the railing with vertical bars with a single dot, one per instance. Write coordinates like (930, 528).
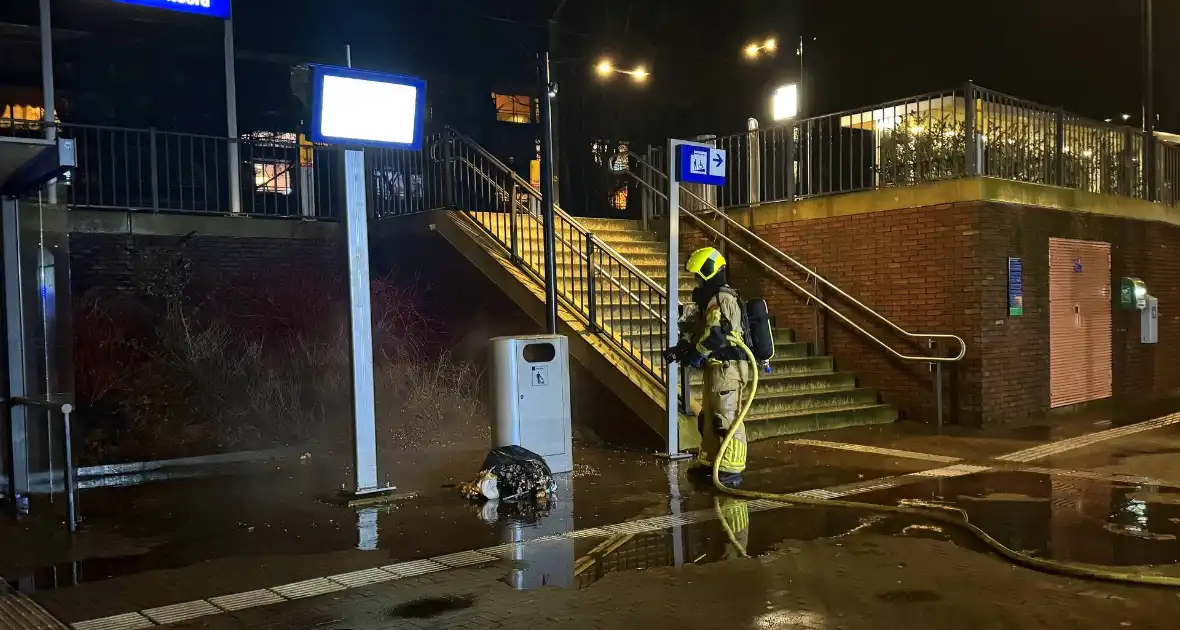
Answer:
(610, 295)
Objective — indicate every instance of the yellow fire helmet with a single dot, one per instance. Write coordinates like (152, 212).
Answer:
(705, 263)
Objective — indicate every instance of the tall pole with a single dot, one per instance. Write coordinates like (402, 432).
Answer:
(1148, 103)
(672, 380)
(801, 91)
(554, 108)
(48, 111)
(547, 199)
(231, 118)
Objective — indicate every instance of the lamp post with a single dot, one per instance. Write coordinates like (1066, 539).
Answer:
(548, 92)
(767, 48)
(548, 89)
(1148, 103)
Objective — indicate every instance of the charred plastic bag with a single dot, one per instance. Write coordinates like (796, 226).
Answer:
(511, 473)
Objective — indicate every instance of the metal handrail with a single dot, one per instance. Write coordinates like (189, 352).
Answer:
(68, 445)
(573, 249)
(770, 268)
(581, 229)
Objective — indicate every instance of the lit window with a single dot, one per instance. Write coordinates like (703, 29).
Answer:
(22, 117)
(272, 177)
(513, 109)
(618, 198)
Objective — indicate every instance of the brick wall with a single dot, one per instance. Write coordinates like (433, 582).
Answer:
(917, 267)
(109, 261)
(1016, 358)
(944, 269)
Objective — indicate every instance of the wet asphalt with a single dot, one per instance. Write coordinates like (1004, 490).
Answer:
(1112, 503)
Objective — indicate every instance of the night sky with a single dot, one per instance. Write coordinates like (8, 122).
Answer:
(125, 65)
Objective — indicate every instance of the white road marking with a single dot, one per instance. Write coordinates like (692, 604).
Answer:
(126, 621)
(249, 599)
(177, 613)
(876, 450)
(363, 577)
(1061, 446)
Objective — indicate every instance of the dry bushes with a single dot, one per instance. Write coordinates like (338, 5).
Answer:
(258, 363)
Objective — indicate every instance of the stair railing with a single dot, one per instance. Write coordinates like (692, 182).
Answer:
(935, 361)
(506, 210)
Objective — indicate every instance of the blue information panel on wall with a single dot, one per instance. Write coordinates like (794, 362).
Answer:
(211, 8)
(701, 165)
(1015, 287)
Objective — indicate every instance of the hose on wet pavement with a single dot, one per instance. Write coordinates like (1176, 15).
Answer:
(1045, 565)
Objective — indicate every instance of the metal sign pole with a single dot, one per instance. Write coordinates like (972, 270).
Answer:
(17, 457)
(231, 117)
(700, 164)
(48, 109)
(673, 301)
(364, 430)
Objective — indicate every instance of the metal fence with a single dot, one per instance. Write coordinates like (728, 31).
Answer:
(614, 297)
(941, 135)
(275, 176)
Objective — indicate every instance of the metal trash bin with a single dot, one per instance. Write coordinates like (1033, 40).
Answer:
(531, 397)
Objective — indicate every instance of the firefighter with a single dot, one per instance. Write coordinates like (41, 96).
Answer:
(705, 345)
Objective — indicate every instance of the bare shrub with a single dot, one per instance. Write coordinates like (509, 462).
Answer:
(266, 363)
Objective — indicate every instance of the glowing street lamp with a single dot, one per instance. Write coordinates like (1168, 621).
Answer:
(754, 49)
(784, 104)
(605, 68)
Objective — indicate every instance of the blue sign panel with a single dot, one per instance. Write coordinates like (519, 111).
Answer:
(211, 8)
(1015, 287)
(360, 107)
(701, 165)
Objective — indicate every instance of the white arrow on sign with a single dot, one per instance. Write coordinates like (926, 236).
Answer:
(717, 162)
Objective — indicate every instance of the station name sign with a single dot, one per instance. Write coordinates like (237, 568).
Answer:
(211, 8)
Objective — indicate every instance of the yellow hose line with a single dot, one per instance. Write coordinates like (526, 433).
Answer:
(1071, 569)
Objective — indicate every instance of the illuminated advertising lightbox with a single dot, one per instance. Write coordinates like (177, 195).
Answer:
(366, 108)
(211, 8)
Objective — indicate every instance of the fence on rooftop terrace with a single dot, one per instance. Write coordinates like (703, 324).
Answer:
(959, 132)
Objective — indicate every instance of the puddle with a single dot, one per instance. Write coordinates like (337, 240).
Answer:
(579, 563)
(1059, 517)
(428, 607)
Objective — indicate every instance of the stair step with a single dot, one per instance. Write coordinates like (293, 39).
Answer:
(763, 426)
(795, 384)
(802, 366)
(624, 248)
(788, 403)
(535, 233)
(597, 224)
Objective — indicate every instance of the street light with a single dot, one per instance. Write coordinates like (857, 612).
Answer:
(784, 104)
(605, 68)
(754, 49)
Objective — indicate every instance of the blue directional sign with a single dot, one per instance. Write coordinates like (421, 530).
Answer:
(701, 165)
(211, 8)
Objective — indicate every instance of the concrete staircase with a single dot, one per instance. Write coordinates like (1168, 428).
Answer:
(612, 303)
(804, 392)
